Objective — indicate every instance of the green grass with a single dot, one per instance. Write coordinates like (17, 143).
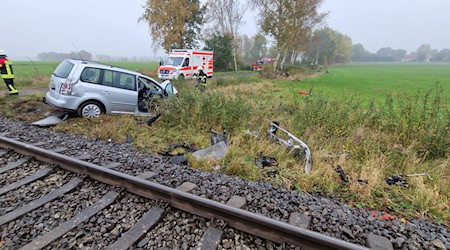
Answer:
(376, 80)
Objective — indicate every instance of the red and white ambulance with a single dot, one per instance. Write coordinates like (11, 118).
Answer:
(183, 64)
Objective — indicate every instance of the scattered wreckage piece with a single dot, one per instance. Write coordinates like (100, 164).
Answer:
(341, 173)
(272, 173)
(265, 161)
(53, 119)
(216, 151)
(345, 179)
(178, 157)
(292, 143)
(146, 117)
(400, 179)
(218, 148)
(362, 182)
(217, 137)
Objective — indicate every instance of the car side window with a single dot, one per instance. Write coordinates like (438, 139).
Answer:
(107, 78)
(169, 89)
(91, 75)
(149, 84)
(124, 81)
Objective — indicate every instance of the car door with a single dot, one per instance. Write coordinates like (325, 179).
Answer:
(123, 92)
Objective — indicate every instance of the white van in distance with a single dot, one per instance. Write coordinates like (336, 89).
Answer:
(183, 64)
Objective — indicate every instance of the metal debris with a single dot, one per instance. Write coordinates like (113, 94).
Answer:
(153, 119)
(51, 120)
(362, 182)
(272, 173)
(341, 173)
(264, 161)
(216, 151)
(175, 149)
(293, 143)
(400, 179)
(217, 137)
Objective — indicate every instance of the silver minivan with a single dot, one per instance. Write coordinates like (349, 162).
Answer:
(92, 89)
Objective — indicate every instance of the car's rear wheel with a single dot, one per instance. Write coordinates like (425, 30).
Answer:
(90, 109)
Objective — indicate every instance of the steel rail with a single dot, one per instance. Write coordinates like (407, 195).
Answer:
(251, 223)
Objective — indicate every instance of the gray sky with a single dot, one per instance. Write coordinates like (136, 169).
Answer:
(110, 26)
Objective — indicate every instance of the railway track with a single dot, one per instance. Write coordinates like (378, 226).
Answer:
(50, 200)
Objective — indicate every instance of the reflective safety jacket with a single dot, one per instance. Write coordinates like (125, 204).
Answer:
(6, 70)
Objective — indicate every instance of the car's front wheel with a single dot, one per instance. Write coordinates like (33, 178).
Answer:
(90, 109)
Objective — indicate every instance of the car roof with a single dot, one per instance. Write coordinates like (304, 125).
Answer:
(105, 66)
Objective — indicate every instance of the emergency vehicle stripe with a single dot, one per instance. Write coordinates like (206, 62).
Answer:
(203, 53)
(178, 53)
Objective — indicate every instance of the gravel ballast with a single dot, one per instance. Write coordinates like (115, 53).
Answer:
(328, 217)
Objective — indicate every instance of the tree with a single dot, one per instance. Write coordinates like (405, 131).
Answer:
(442, 56)
(175, 23)
(245, 46)
(259, 48)
(329, 46)
(222, 45)
(289, 23)
(385, 54)
(227, 16)
(424, 53)
(398, 55)
(103, 58)
(359, 53)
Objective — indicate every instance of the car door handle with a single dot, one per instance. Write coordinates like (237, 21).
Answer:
(105, 92)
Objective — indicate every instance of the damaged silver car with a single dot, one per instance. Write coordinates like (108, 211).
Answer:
(91, 89)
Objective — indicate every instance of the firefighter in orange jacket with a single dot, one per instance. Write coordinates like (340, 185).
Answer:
(6, 72)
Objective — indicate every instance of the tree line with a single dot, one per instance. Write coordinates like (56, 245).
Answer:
(55, 56)
(292, 31)
(423, 54)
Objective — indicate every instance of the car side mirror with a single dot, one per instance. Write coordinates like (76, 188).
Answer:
(169, 89)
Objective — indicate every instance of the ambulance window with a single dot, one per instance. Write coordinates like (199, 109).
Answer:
(174, 61)
(196, 60)
(186, 62)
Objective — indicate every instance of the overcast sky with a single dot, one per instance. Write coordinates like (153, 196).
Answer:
(111, 27)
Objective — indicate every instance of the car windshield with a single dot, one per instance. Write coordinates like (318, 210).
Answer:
(174, 61)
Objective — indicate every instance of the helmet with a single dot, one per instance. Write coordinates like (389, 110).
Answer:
(2, 53)
(200, 68)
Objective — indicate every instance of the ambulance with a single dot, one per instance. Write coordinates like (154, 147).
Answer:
(183, 64)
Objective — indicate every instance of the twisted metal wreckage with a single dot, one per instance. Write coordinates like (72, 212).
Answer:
(292, 142)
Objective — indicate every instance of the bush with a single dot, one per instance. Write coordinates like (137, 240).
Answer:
(207, 110)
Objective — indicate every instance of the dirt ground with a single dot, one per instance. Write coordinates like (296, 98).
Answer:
(26, 91)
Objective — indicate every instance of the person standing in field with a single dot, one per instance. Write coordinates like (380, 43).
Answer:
(6, 72)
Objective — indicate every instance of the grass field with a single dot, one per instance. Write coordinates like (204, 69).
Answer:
(376, 80)
(374, 120)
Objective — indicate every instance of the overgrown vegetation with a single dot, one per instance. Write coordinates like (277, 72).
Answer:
(370, 137)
